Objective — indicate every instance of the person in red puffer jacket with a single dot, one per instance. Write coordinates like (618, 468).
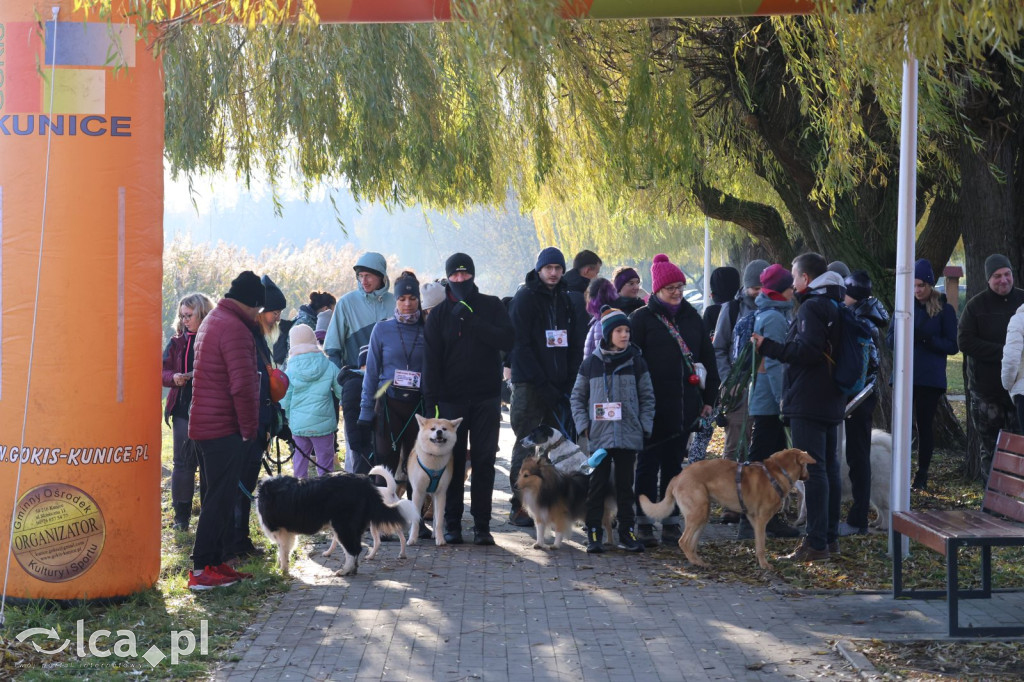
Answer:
(223, 420)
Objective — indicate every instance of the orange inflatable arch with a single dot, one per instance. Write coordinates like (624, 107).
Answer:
(81, 207)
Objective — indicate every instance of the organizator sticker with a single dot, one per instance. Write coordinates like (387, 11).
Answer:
(58, 532)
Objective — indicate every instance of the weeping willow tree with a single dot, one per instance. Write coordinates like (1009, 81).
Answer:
(616, 133)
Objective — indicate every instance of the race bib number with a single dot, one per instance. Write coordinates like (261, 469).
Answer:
(607, 412)
(557, 338)
(407, 379)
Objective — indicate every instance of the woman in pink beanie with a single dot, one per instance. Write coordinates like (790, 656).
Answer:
(671, 335)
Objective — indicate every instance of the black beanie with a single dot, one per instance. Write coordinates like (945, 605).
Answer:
(407, 285)
(725, 282)
(858, 285)
(459, 262)
(247, 289)
(274, 298)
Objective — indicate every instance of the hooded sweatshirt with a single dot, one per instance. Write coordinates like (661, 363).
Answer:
(808, 390)
(356, 314)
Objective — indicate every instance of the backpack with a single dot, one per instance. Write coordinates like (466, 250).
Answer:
(851, 358)
(734, 386)
(741, 332)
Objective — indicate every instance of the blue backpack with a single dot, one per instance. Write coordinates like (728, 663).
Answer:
(741, 332)
(851, 359)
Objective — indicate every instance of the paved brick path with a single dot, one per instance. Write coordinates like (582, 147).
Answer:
(510, 612)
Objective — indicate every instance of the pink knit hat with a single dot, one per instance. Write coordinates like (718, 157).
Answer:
(664, 273)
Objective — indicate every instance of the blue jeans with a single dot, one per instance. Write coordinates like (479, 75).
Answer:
(824, 488)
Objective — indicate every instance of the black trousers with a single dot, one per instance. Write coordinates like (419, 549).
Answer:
(481, 421)
(767, 437)
(358, 440)
(858, 456)
(926, 404)
(249, 476)
(395, 432)
(221, 462)
(624, 464)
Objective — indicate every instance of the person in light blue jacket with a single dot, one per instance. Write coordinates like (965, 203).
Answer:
(354, 318)
(309, 403)
(774, 307)
(394, 362)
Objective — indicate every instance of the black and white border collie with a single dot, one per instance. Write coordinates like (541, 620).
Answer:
(347, 504)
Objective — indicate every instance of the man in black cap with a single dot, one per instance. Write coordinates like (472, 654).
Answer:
(464, 337)
(224, 421)
(981, 336)
(545, 360)
(585, 267)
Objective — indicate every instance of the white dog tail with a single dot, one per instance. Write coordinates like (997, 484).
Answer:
(657, 511)
(389, 482)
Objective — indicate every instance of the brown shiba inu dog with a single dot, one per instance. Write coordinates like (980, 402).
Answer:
(556, 499)
(430, 469)
(762, 490)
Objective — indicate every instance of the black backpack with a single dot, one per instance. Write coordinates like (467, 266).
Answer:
(851, 357)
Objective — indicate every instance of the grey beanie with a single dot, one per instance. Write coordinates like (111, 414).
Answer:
(752, 273)
(840, 268)
(431, 293)
(996, 261)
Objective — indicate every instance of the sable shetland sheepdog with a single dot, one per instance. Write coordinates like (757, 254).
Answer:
(557, 499)
(347, 504)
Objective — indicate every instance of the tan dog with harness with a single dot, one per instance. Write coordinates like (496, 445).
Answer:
(756, 490)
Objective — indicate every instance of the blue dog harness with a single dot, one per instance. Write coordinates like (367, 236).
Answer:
(434, 474)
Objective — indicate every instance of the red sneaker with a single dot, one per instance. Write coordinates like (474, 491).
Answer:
(228, 571)
(208, 579)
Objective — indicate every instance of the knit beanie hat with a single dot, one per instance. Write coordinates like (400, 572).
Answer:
(923, 271)
(840, 268)
(624, 276)
(431, 293)
(247, 289)
(725, 282)
(776, 279)
(584, 258)
(459, 262)
(996, 261)
(752, 273)
(301, 340)
(858, 285)
(550, 256)
(611, 319)
(323, 321)
(407, 286)
(274, 297)
(664, 273)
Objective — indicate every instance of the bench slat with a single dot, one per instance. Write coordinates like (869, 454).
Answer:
(1011, 442)
(1011, 463)
(1010, 507)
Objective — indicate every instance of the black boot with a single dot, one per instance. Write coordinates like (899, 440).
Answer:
(482, 535)
(778, 528)
(920, 481)
(628, 541)
(182, 515)
(744, 531)
(594, 536)
(453, 535)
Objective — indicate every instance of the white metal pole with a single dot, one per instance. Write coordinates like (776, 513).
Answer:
(707, 265)
(903, 356)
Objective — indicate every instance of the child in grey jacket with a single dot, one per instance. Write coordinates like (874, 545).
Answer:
(613, 403)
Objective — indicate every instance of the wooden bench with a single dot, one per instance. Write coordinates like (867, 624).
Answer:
(998, 524)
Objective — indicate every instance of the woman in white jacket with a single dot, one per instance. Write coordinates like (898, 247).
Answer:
(1013, 362)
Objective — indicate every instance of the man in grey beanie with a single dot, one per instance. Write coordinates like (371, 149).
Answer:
(722, 342)
(981, 336)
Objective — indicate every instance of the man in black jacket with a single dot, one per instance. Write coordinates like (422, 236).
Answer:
(463, 340)
(585, 267)
(811, 401)
(546, 357)
(981, 335)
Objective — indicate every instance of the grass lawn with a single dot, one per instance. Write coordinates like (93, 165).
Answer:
(955, 374)
(150, 616)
